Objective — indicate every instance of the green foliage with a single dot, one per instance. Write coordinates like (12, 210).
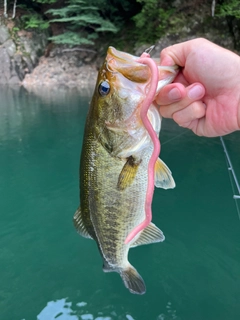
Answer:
(153, 20)
(228, 8)
(45, 1)
(117, 11)
(137, 21)
(83, 23)
(70, 38)
(34, 21)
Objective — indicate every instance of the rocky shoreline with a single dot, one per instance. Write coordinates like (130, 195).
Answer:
(23, 61)
(66, 69)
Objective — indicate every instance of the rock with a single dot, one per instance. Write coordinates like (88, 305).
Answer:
(10, 47)
(19, 53)
(5, 66)
(14, 80)
(8, 73)
(4, 34)
(33, 44)
(63, 68)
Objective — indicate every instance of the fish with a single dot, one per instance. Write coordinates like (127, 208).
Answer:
(114, 162)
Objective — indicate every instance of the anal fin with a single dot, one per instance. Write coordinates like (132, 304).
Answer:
(163, 176)
(151, 234)
(79, 224)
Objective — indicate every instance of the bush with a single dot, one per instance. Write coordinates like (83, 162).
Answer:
(153, 20)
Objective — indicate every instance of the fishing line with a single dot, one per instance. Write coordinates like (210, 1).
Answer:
(177, 136)
(232, 176)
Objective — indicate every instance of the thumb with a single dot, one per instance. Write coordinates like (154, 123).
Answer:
(174, 55)
(165, 59)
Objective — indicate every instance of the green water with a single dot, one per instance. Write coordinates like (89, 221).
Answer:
(47, 271)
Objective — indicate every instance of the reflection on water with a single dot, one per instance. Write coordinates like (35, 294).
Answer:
(60, 309)
(20, 109)
(63, 310)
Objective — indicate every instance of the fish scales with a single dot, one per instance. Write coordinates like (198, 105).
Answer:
(114, 165)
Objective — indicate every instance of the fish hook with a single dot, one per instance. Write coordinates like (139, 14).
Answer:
(149, 50)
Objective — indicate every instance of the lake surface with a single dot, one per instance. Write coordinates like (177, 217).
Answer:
(47, 271)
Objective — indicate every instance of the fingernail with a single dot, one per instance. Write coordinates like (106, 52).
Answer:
(195, 92)
(174, 94)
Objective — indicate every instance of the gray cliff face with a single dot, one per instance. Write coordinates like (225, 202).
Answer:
(69, 68)
(19, 53)
(22, 61)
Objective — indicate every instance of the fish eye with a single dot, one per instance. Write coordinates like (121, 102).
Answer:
(104, 88)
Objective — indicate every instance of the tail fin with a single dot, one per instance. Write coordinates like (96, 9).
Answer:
(132, 280)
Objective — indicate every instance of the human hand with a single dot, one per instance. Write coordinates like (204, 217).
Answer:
(205, 96)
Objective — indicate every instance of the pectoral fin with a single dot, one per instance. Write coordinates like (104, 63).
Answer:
(151, 234)
(163, 176)
(128, 173)
(79, 224)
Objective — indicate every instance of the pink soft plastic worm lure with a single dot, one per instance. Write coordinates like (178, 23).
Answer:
(145, 59)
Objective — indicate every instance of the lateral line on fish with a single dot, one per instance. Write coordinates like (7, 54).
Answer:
(145, 59)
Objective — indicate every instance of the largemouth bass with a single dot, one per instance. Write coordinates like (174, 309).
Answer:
(115, 156)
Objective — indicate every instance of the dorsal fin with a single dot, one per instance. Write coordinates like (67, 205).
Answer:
(79, 224)
(151, 234)
(163, 176)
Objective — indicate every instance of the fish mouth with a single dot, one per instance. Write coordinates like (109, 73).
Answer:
(120, 55)
(130, 67)
(127, 65)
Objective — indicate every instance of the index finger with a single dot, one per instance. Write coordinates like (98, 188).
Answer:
(171, 93)
(175, 54)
